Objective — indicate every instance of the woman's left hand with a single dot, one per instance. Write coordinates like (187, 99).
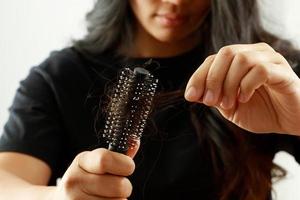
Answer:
(251, 85)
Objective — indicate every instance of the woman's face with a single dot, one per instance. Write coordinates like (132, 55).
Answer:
(170, 20)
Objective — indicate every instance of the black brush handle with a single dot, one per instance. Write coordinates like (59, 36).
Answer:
(116, 149)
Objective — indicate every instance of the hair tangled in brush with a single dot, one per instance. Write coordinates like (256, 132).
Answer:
(128, 108)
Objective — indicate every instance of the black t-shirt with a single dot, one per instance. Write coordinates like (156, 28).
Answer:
(53, 118)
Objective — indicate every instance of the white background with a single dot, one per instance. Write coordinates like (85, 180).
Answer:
(30, 29)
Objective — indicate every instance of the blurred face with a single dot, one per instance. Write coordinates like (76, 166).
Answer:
(169, 20)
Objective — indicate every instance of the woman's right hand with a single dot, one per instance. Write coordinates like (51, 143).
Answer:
(97, 175)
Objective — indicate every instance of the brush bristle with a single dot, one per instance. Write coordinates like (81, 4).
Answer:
(129, 108)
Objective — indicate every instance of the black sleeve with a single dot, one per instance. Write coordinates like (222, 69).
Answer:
(34, 126)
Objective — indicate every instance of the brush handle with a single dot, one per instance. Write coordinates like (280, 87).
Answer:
(116, 149)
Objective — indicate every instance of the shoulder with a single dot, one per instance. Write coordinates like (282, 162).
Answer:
(64, 63)
(68, 74)
(68, 66)
(69, 62)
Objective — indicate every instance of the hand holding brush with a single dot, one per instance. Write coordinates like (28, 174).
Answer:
(102, 173)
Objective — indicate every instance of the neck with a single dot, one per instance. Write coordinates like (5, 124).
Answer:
(146, 45)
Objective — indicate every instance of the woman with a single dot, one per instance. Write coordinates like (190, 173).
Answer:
(216, 51)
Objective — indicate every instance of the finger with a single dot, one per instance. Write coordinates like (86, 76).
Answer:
(253, 80)
(216, 75)
(132, 151)
(101, 161)
(220, 66)
(109, 186)
(196, 85)
(241, 64)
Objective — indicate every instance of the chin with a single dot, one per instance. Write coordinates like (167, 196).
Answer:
(169, 38)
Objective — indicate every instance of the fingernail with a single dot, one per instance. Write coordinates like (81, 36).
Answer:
(209, 97)
(225, 104)
(191, 94)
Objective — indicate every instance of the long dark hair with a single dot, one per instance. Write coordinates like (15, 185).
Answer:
(245, 170)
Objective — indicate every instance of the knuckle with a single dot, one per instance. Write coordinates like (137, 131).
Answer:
(242, 58)
(213, 82)
(70, 183)
(262, 69)
(131, 168)
(103, 157)
(227, 51)
(101, 151)
(265, 45)
(124, 187)
(210, 58)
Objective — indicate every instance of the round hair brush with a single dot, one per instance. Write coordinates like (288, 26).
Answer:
(129, 108)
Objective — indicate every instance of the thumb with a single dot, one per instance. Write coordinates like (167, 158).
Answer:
(133, 150)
